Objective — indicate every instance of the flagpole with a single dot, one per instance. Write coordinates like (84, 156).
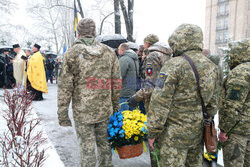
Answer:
(75, 18)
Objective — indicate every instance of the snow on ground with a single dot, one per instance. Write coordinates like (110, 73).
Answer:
(53, 158)
(65, 140)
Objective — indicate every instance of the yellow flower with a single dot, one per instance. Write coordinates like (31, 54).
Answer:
(136, 138)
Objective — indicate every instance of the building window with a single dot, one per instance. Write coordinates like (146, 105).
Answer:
(226, 23)
(221, 10)
(220, 37)
(220, 24)
(227, 9)
(225, 36)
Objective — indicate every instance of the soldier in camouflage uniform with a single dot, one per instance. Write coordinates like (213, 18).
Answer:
(175, 117)
(91, 77)
(236, 107)
(158, 54)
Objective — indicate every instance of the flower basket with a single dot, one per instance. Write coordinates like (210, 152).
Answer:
(127, 131)
(130, 151)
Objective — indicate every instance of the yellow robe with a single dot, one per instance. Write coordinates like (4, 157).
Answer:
(36, 72)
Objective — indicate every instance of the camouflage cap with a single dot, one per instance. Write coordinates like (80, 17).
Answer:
(86, 27)
(151, 39)
(185, 38)
(240, 52)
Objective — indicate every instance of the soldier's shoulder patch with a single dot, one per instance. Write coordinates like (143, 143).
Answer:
(163, 75)
(235, 92)
(161, 80)
(149, 69)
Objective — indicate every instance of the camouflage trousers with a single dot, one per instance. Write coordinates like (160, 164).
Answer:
(172, 155)
(92, 135)
(236, 152)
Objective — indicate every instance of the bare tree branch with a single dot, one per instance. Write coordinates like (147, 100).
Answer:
(103, 22)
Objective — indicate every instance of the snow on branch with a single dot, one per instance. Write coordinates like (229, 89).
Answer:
(20, 145)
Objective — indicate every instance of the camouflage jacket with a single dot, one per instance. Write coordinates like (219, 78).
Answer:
(175, 110)
(158, 55)
(236, 96)
(90, 76)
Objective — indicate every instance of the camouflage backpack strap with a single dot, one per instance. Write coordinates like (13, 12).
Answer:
(197, 77)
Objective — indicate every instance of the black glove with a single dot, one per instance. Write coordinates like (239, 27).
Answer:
(132, 102)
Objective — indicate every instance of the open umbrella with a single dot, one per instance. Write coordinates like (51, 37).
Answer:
(133, 46)
(112, 41)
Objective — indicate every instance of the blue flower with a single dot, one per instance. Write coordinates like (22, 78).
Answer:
(120, 117)
(112, 133)
(120, 124)
(121, 135)
(116, 130)
(143, 129)
(115, 123)
(112, 119)
(122, 131)
(116, 114)
(110, 126)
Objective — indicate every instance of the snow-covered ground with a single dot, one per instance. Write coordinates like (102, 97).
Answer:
(64, 138)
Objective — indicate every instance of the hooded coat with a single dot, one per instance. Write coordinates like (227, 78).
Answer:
(236, 97)
(129, 67)
(175, 114)
(90, 76)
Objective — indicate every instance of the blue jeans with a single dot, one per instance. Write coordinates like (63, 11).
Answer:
(49, 75)
(124, 106)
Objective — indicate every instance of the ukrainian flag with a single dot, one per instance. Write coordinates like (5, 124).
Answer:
(75, 17)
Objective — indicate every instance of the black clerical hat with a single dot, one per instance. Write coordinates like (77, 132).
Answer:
(37, 46)
(16, 46)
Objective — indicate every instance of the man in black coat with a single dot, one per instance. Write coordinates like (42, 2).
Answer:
(6, 70)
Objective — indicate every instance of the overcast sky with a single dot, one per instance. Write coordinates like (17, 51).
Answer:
(150, 16)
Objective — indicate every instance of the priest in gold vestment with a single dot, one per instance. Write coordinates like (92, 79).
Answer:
(36, 74)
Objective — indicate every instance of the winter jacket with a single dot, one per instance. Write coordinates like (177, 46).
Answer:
(129, 67)
(235, 95)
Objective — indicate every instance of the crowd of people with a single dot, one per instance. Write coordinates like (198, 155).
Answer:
(24, 71)
(172, 85)
(13, 67)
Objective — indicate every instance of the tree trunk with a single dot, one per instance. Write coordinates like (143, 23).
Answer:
(80, 8)
(127, 21)
(117, 17)
(131, 15)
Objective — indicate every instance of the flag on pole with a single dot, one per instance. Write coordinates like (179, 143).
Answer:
(76, 19)
(64, 49)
